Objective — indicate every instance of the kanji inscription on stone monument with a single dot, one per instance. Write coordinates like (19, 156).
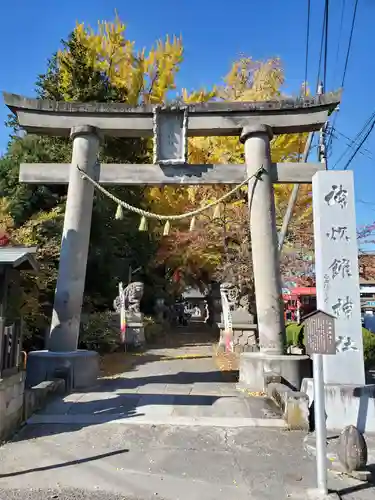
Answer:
(337, 276)
(320, 333)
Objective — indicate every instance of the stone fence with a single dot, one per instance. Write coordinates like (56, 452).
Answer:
(17, 403)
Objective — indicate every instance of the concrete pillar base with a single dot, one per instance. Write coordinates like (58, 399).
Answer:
(256, 367)
(244, 337)
(79, 368)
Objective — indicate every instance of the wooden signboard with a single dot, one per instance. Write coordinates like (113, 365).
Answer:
(320, 333)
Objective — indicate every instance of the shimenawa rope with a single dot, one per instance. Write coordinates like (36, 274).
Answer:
(161, 217)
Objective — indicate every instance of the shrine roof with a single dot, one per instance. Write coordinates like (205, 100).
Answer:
(193, 293)
(329, 100)
(285, 115)
(22, 258)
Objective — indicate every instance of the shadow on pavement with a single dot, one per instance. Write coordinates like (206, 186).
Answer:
(350, 490)
(110, 400)
(64, 464)
(180, 378)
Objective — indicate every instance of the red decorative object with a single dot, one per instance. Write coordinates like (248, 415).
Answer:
(4, 240)
(177, 276)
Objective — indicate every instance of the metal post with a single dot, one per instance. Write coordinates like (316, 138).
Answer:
(320, 424)
(122, 315)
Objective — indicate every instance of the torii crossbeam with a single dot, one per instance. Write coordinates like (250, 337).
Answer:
(254, 122)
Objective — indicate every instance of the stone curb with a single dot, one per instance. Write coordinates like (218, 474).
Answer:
(35, 398)
(293, 404)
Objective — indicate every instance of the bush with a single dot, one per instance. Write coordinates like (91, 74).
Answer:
(295, 336)
(154, 329)
(98, 333)
(368, 348)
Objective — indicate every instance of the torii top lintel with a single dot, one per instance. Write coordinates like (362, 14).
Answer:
(305, 114)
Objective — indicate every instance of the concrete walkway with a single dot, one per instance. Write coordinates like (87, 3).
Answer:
(171, 429)
(169, 386)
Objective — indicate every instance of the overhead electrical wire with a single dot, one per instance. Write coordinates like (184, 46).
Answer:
(322, 44)
(323, 51)
(307, 43)
(348, 50)
(306, 67)
(360, 144)
(350, 142)
(357, 138)
(350, 43)
(294, 194)
(325, 45)
(339, 38)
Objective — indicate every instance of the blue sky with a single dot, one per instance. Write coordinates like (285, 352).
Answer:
(214, 34)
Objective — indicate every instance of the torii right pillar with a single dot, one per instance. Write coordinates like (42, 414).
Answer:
(270, 363)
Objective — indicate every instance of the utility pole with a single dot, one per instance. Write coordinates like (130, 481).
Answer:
(294, 194)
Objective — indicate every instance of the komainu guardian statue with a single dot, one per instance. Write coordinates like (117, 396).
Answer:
(133, 294)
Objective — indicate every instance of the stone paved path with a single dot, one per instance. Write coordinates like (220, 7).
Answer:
(82, 447)
(168, 386)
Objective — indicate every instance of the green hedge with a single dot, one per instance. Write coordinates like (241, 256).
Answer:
(369, 348)
(294, 336)
(100, 331)
(154, 328)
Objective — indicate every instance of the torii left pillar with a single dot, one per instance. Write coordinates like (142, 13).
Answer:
(63, 359)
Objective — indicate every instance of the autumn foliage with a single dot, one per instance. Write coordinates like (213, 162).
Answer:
(103, 65)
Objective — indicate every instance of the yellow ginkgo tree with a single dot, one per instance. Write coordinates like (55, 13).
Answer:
(140, 76)
(247, 80)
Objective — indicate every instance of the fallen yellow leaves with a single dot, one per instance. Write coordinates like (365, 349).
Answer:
(253, 393)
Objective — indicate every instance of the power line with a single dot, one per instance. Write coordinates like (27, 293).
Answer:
(339, 37)
(307, 41)
(350, 43)
(357, 138)
(346, 57)
(306, 67)
(294, 195)
(321, 44)
(325, 45)
(365, 202)
(360, 144)
(351, 143)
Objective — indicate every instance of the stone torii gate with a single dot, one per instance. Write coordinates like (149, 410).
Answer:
(254, 123)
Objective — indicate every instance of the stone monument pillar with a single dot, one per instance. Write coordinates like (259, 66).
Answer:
(264, 248)
(348, 400)
(62, 355)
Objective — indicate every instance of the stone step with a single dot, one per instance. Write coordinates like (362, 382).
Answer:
(156, 409)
